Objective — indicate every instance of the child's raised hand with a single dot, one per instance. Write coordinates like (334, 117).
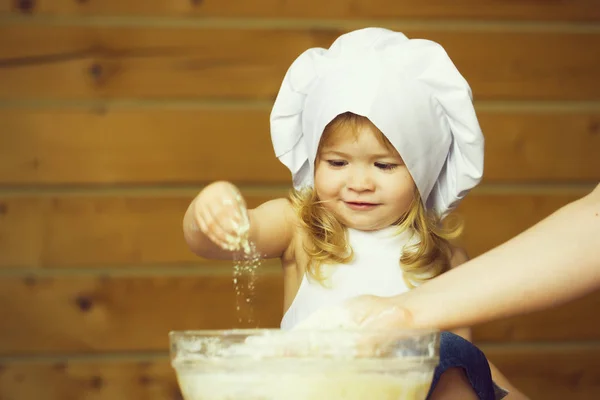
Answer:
(220, 213)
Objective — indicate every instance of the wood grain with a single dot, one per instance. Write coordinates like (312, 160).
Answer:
(103, 231)
(492, 219)
(199, 145)
(94, 380)
(100, 314)
(99, 62)
(575, 10)
(151, 146)
(572, 321)
(551, 372)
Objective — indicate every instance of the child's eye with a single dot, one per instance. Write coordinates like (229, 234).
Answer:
(385, 166)
(337, 163)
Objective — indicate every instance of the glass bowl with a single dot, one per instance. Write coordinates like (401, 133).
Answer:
(270, 364)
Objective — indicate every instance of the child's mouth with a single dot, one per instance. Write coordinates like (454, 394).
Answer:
(360, 206)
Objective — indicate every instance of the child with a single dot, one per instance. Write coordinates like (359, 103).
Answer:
(381, 137)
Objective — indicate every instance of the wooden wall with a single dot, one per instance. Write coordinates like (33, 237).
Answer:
(113, 114)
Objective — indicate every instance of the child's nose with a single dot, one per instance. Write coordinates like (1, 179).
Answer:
(360, 181)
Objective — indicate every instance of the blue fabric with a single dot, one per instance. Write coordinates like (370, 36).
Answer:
(458, 352)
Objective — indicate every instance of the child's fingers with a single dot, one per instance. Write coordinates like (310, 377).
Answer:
(208, 232)
(209, 225)
(236, 214)
(221, 215)
(227, 225)
(231, 215)
(216, 225)
(237, 197)
(237, 201)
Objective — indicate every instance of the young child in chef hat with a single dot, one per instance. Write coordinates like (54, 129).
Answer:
(382, 141)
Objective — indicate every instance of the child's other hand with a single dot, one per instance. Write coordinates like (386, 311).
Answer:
(220, 212)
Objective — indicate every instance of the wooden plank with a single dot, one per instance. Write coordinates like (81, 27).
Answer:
(118, 146)
(150, 146)
(97, 380)
(573, 321)
(95, 231)
(54, 315)
(541, 146)
(492, 219)
(550, 373)
(97, 62)
(97, 314)
(113, 230)
(576, 10)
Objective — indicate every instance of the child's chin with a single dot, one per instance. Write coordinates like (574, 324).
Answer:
(363, 225)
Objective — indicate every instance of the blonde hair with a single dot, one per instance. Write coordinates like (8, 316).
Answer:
(326, 237)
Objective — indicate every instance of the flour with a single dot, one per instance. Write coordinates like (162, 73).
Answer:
(330, 318)
(246, 260)
(244, 282)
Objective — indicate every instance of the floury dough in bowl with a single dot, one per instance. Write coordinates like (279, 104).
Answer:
(299, 365)
(338, 384)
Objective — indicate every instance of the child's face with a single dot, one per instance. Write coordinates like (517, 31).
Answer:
(361, 180)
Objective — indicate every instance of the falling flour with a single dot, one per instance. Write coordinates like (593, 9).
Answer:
(246, 260)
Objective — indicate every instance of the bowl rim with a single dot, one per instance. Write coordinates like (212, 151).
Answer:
(424, 337)
(277, 331)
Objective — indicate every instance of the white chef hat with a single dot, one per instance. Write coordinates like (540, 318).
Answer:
(408, 88)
